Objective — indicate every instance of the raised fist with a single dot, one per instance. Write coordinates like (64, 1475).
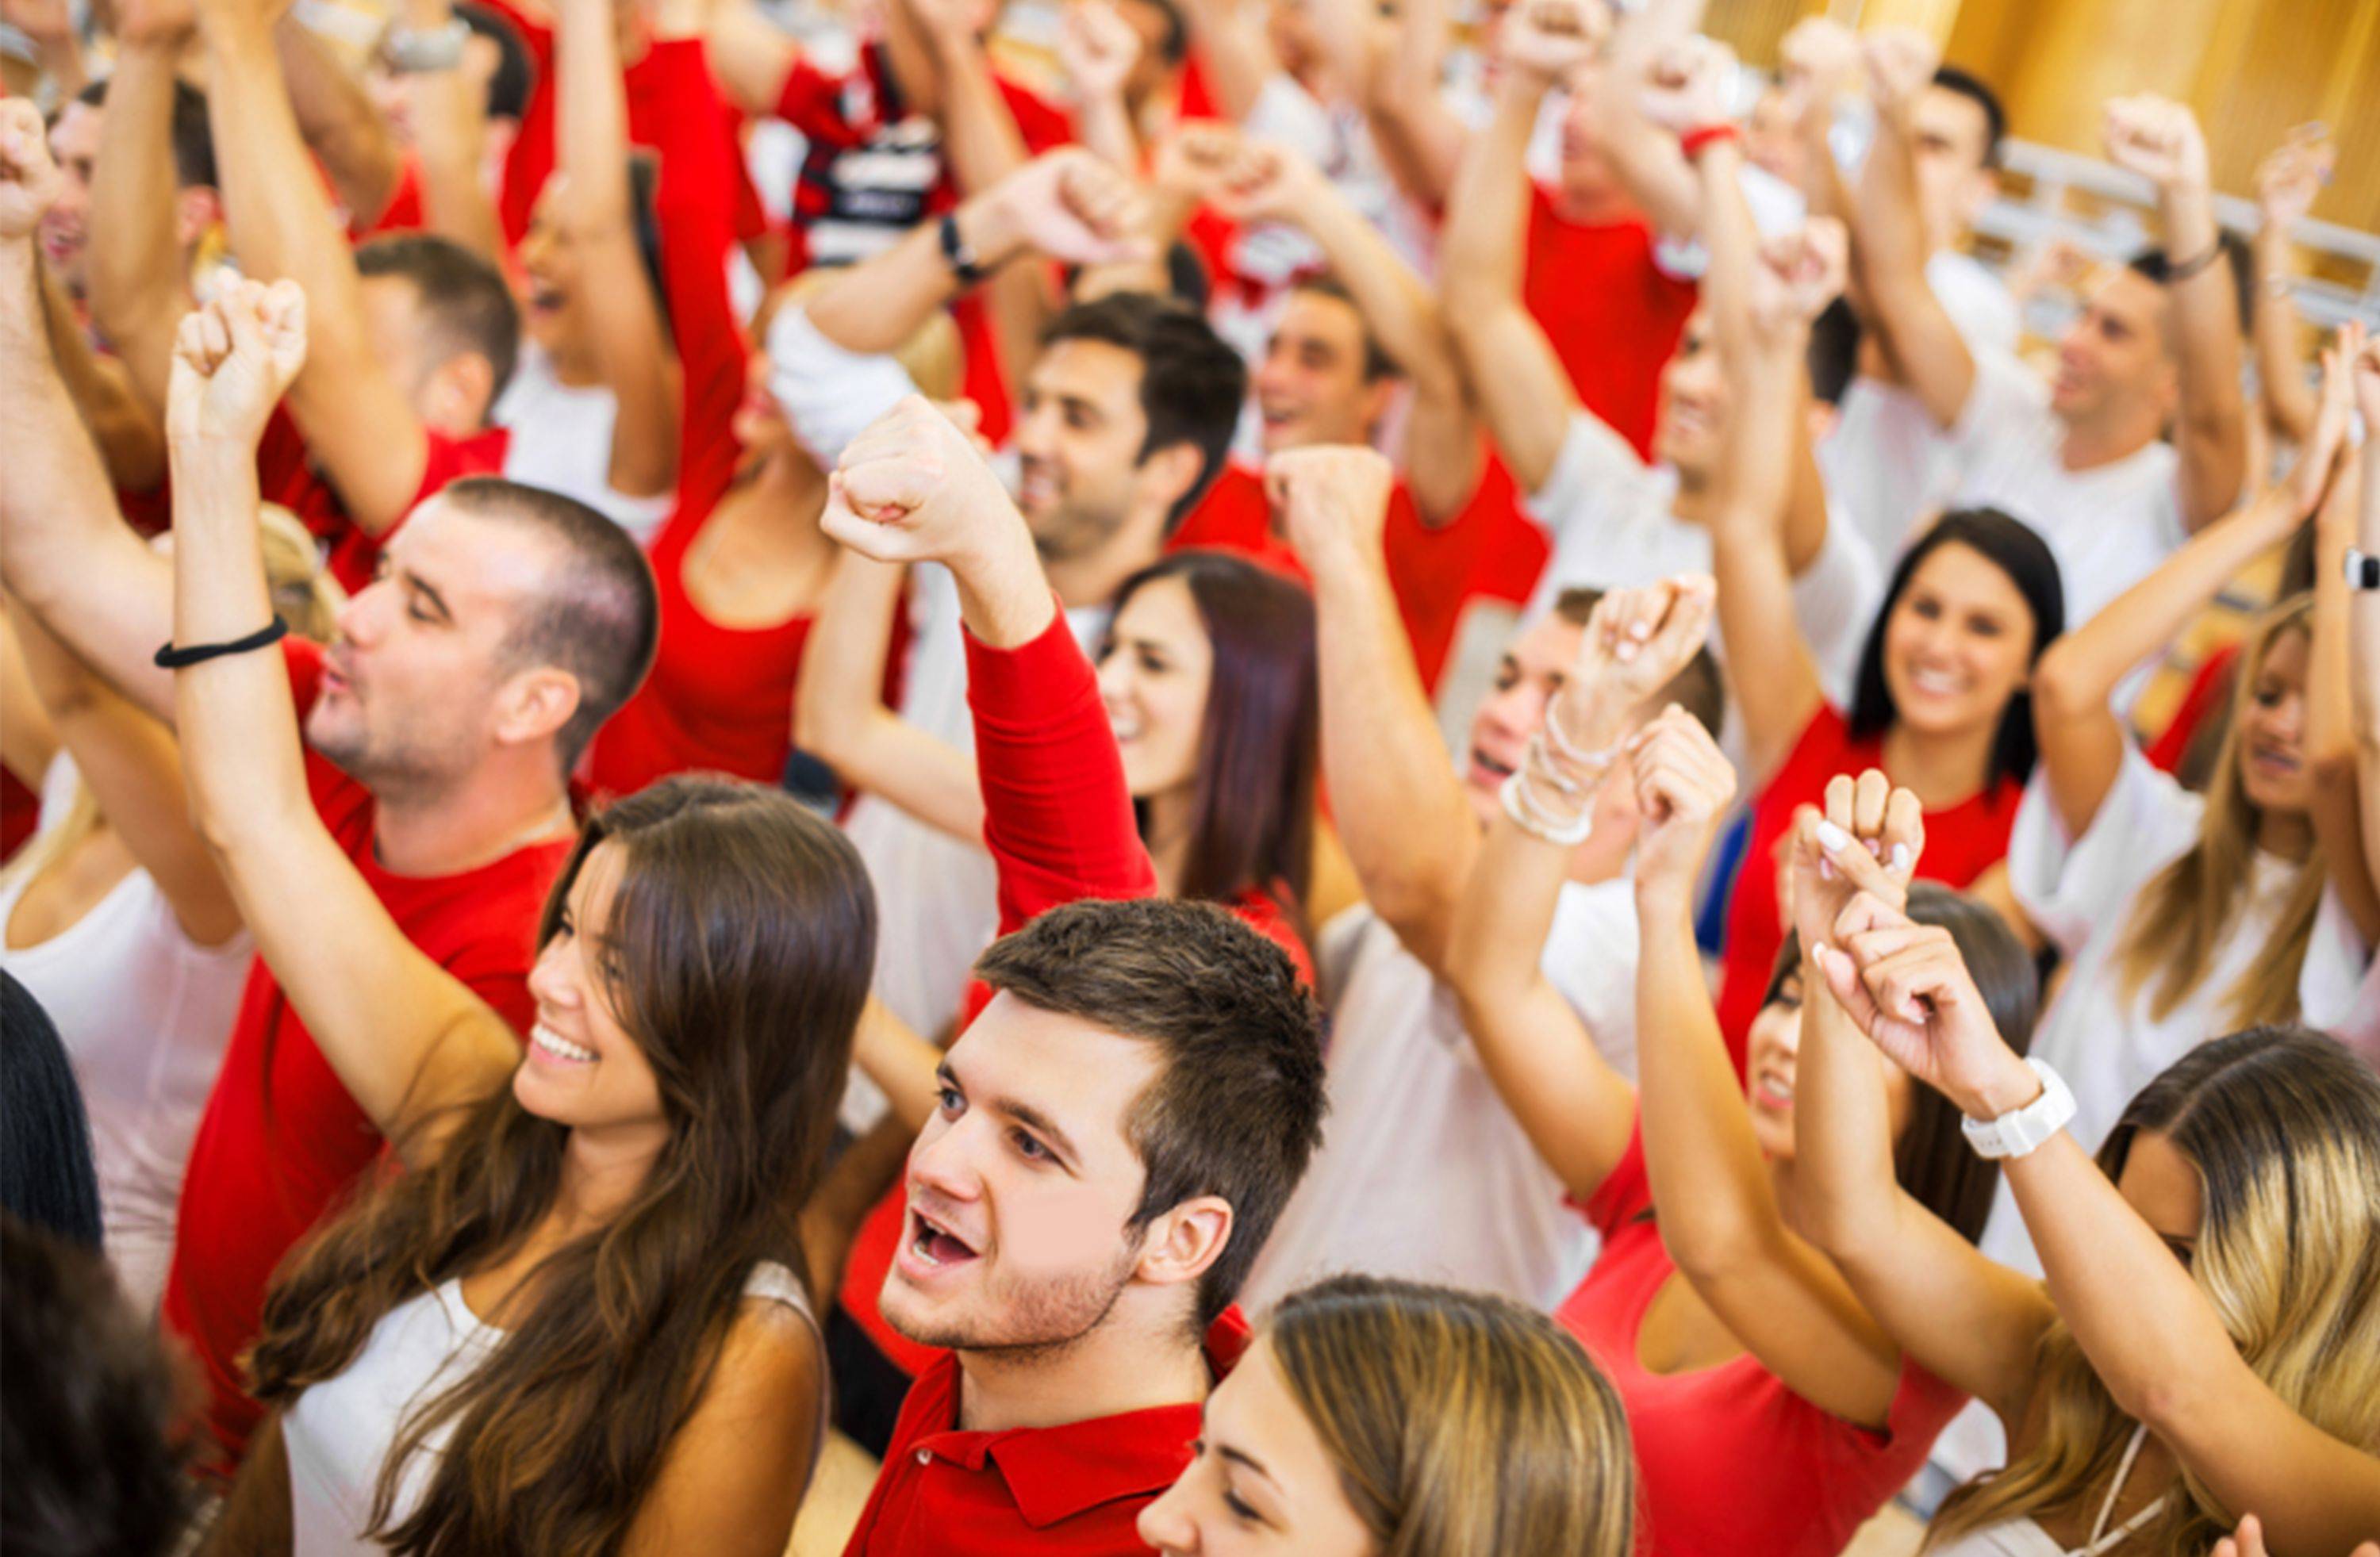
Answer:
(1072, 207)
(1796, 275)
(1198, 159)
(913, 488)
(1868, 838)
(1819, 60)
(2157, 139)
(1267, 183)
(2288, 180)
(30, 181)
(1097, 48)
(233, 357)
(1636, 642)
(1548, 39)
(1331, 500)
(1900, 66)
(2331, 444)
(1684, 785)
(1686, 87)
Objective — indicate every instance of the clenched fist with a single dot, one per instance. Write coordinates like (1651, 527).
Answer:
(1331, 500)
(30, 181)
(233, 357)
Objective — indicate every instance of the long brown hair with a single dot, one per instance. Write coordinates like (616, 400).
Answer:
(742, 933)
(2180, 917)
(1463, 1425)
(2283, 1126)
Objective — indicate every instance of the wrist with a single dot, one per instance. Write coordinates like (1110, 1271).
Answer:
(2010, 1085)
(989, 228)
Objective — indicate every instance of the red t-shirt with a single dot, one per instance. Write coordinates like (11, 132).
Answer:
(1962, 841)
(286, 474)
(1027, 1492)
(1489, 550)
(20, 812)
(720, 699)
(1613, 316)
(280, 1140)
(1732, 1460)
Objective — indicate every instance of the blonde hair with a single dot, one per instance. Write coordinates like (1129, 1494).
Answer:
(2180, 917)
(2283, 1126)
(1463, 1425)
(304, 594)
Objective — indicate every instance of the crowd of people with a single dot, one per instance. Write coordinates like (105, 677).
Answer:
(658, 824)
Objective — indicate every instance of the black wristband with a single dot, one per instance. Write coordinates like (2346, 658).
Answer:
(954, 252)
(172, 659)
(2196, 264)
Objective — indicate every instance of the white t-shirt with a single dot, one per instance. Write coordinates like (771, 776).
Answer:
(1887, 466)
(2110, 527)
(562, 441)
(1424, 1173)
(1614, 525)
(339, 1433)
(145, 1013)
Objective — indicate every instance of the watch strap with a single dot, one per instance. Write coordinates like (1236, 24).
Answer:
(956, 253)
(2363, 570)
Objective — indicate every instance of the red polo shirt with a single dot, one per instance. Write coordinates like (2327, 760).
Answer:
(1027, 1492)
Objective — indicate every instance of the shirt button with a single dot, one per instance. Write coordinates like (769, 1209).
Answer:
(924, 1457)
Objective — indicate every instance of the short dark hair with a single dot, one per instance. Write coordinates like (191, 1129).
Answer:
(89, 1466)
(599, 617)
(1377, 364)
(1972, 87)
(2020, 552)
(516, 76)
(2154, 264)
(1191, 383)
(1833, 353)
(47, 1177)
(1236, 1108)
(1699, 689)
(464, 303)
(194, 142)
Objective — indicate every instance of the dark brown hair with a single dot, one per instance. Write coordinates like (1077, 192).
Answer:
(741, 938)
(1191, 383)
(1236, 1109)
(1252, 806)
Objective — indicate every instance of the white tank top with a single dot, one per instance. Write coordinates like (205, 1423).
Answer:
(561, 441)
(144, 1012)
(2023, 1538)
(340, 1431)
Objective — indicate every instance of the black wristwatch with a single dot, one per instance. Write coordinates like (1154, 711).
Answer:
(2363, 570)
(960, 259)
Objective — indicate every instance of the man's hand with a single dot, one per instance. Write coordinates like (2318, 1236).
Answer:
(30, 181)
(1267, 183)
(1684, 785)
(232, 359)
(1545, 40)
(2159, 140)
(1332, 501)
(2289, 181)
(913, 488)
(1796, 276)
(1687, 86)
(1097, 48)
(1817, 62)
(1900, 66)
(1068, 205)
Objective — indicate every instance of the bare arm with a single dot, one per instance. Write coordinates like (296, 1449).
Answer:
(1890, 239)
(357, 423)
(344, 131)
(2334, 755)
(131, 442)
(839, 712)
(410, 1043)
(1644, 155)
(1523, 391)
(749, 55)
(137, 291)
(134, 769)
(902, 1064)
(1229, 36)
(450, 128)
(28, 743)
(2363, 620)
(2081, 739)
(1098, 49)
(631, 350)
(733, 1478)
(1420, 137)
(2287, 183)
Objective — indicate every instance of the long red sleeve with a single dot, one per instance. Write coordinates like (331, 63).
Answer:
(1057, 816)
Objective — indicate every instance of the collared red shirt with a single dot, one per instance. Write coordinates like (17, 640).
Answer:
(1076, 1487)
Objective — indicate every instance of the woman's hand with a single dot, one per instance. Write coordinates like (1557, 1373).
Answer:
(1683, 787)
(2249, 1541)
(1867, 821)
(1636, 642)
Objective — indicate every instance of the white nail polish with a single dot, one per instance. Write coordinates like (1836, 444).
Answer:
(1833, 838)
(1900, 859)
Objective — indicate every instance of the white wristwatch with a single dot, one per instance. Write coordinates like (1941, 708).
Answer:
(2018, 1130)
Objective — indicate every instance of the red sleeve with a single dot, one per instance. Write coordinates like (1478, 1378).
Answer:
(1057, 816)
(1625, 1193)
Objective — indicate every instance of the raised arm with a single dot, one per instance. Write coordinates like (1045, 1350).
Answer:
(1058, 816)
(408, 1042)
(2160, 140)
(2336, 758)
(137, 290)
(1521, 387)
(347, 134)
(450, 129)
(355, 421)
(1442, 457)
(1420, 137)
(1097, 49)
(1972, 1324)
(1229, 38)
(593, 207)
(1643, 154)
(131, 442)
(2287, 183)
(2081, 736)
(750, 56)
(2363, 618)
(1788, 284)
(67, 556)
(1889, 245)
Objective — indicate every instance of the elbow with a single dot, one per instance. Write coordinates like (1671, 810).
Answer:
(1712, 1245)
(2061, 690)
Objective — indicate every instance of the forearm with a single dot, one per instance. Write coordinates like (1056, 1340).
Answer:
(1238, 57)
(1851, 1200)
(1890, 256)
(1106, 127)
(1420, 137)
(2288, 399)
(131, 442)
(2334, 752)
(1397, 308)
(344, 131)
(749, 55)
(877, 304)
(2363, 676)
(1481, 261)
(449, 139)
(137, 290)
(900, 1063)
(979, 133)
(2211, 427)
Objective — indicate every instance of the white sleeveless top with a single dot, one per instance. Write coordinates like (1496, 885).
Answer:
(340, 1431)
(561, 441)
(144, 1012)
(2023, 1538)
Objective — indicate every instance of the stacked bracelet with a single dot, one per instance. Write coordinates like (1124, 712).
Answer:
(1555, 762)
